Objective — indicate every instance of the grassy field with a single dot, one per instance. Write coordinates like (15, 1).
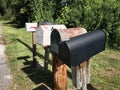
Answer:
(105, 67)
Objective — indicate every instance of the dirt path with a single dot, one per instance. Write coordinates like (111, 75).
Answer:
(5, 78)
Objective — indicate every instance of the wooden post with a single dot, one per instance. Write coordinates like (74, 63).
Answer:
(46, 58)
(84, 73)
(34, 49)
(76, 76)
(81, 75)
(59, 74)
(88, 72)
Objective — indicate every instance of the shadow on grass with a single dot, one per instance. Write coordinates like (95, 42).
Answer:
(38, 75)
(69, 74)
(90, 87)
(30, 48)
(43, 87)
(26, 60)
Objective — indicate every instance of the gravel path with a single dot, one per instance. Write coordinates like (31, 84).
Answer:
(5, 78)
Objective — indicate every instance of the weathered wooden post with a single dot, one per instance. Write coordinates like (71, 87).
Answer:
(47, 51)
(34, 49)
(81, 75)
(59, 73)
(31, 27)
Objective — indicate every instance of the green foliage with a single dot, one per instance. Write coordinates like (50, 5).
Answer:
(43, 10)
(22, 12)
(2, 7)
(5, 10)
(92, 14)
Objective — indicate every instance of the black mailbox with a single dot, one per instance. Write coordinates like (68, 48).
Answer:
(80, 48)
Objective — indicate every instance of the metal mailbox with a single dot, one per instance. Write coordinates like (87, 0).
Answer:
(43, 32)
(80, 48)
(31, 27)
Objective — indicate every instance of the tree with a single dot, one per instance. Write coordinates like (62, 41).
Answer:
(2, 7)
(43, 10)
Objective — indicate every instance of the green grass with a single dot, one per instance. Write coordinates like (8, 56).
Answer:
(105, 70)
(105, 67)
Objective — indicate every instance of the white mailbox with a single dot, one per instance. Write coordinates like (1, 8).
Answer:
(43, 33)
(30, 27)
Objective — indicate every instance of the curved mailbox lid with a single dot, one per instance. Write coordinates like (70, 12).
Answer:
(59, 35)
(43, 33)
(80, 48)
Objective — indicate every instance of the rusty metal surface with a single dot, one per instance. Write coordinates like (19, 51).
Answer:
(71, 32)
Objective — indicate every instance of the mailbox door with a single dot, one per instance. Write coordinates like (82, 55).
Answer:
(55, 40)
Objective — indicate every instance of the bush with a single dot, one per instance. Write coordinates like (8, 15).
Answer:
(92, 15)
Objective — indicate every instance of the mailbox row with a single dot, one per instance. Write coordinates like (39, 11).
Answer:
(72, 45)
(79, 48)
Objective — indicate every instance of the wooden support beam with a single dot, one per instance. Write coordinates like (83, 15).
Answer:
(83, 67)
(76, 76)
(47, 50)
(34, 49)
(59, 74)
(81, 75)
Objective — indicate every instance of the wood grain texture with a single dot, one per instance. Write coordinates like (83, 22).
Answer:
(59, 74)
(34, 49)
(46, 59)
(81, 75)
